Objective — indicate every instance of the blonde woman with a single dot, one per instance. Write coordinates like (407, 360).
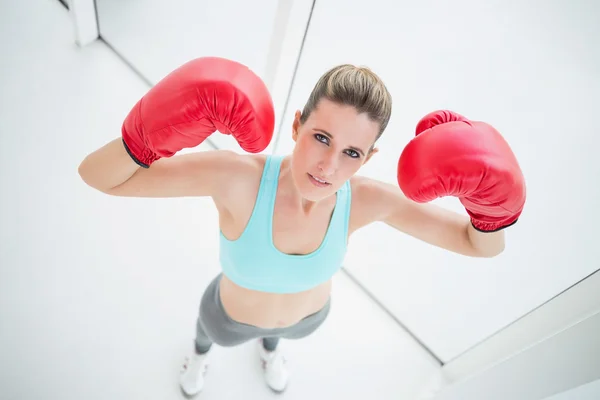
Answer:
(285, 221)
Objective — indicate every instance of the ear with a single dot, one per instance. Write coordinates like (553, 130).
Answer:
(371, 154)
(296, 125)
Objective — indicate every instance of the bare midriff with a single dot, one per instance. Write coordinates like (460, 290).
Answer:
(271, 310)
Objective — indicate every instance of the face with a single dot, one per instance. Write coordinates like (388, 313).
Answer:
(331, 146)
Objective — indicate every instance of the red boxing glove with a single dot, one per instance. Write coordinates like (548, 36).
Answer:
(452, 156)
(189, 104)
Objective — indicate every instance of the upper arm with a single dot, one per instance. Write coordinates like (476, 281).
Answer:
(430, 223)
(192, 174)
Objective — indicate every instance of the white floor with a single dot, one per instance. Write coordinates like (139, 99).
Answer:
(99, 295)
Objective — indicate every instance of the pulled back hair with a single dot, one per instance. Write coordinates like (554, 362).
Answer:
(354, 86)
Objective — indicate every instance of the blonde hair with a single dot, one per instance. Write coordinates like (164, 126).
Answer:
(354, 86)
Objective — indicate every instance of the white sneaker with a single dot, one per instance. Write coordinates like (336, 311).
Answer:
(274, 365)
(193, 370)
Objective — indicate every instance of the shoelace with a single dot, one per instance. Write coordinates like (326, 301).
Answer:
(186, 364)
(276, 361)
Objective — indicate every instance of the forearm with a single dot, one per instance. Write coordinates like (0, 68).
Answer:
(486, 244)
(107, 167)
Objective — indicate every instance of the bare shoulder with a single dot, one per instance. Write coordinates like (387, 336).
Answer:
(371, 200)
(247, 167)
(230, 167)
(366, 190)
(241, 179)
(243, 165)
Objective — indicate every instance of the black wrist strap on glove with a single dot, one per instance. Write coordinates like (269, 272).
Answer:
(138, 162)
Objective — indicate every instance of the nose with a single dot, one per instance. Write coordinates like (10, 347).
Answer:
(328, 164)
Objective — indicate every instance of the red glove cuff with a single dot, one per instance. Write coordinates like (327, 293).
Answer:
(490, 224)
(133, 140)
(141, 156)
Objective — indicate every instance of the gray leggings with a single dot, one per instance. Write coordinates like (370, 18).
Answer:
(215, 326)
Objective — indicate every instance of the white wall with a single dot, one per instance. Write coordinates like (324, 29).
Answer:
(157, 36)
(531, 69)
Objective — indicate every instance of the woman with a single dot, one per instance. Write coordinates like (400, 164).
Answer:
(285, 220)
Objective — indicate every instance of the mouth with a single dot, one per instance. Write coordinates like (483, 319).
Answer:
(318, 181)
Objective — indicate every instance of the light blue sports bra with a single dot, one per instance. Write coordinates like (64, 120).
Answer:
(252, 261)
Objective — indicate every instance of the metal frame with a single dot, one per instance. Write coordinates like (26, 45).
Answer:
(85, 21)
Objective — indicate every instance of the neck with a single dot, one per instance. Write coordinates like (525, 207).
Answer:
(290, 191)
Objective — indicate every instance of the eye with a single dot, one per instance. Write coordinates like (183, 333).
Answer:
(352, 153)
(324, 139)
(321, 138)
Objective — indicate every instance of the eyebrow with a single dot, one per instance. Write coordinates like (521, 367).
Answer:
(331, 137)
